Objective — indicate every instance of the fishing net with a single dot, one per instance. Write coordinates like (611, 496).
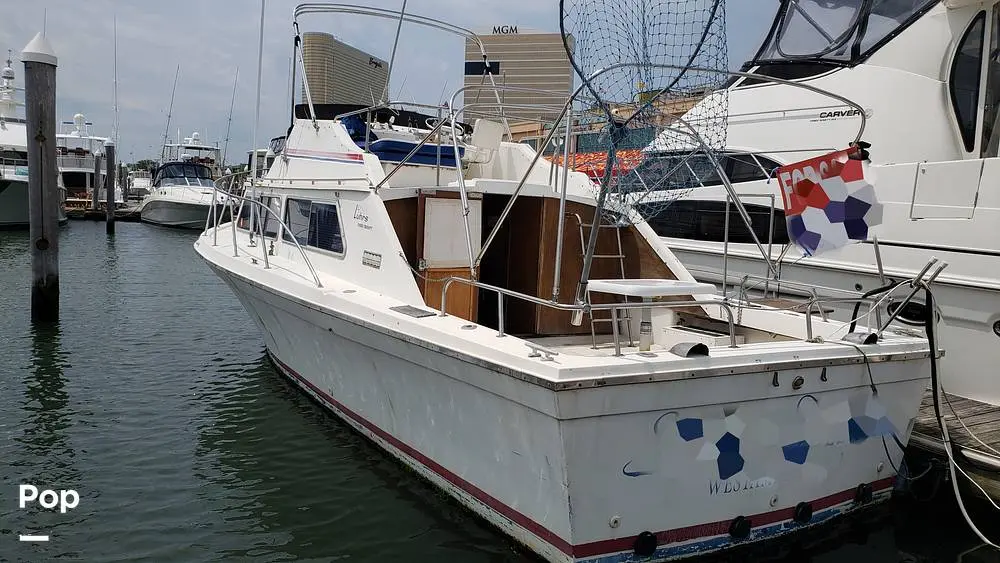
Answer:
(643, 64)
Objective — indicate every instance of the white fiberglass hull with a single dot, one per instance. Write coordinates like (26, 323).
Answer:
(178, 214)
(969, 310)
(14, 213)
(628, 458)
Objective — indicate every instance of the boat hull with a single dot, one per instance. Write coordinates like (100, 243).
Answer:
(178, 214)
(14, 213)
(521, 454)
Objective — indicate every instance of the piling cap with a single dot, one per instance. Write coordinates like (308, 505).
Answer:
(38, 50)
(109, 143)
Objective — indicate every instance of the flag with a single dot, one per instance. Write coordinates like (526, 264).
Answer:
(829, 200)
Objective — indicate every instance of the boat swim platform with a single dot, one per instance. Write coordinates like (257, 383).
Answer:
(982, 419)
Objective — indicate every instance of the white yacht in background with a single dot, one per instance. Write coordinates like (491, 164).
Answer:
(14, 158)
(714, 430)
(140, 182)
(928, 82)
(77, 148)
(182, 190)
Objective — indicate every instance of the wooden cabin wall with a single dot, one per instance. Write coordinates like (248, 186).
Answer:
(403, 214)
(554, 322)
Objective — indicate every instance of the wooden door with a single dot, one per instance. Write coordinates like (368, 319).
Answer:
(444, 251)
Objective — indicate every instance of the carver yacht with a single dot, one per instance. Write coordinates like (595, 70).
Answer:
(723, 424)
(925, 75)
(14, 158)
(182, 193)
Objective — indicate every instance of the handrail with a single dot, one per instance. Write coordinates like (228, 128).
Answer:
(587, 307)
(916, 283)
(283, 227)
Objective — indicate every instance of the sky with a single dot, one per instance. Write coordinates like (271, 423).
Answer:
(211, 39)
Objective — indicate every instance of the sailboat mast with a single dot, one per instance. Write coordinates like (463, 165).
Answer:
(166, 130)
(232, 103)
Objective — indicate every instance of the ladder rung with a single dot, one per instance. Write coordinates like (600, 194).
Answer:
(619, 256)
(602, 226)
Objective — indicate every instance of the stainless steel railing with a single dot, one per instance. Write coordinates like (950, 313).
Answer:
(585, 307)
(255, 206)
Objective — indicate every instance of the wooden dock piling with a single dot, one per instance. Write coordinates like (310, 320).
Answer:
(109, 153)
(96, 194)
(43, 188)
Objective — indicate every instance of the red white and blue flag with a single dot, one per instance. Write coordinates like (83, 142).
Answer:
(829, 200)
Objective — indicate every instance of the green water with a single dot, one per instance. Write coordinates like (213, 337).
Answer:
(154, 400)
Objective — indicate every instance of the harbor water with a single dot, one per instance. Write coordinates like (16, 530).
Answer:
(154, 400)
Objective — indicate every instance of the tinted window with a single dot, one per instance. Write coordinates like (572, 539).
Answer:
(964, 82)
(324, 228)
(706, 221)
(269, 221)
(297, 219)
(991, 125)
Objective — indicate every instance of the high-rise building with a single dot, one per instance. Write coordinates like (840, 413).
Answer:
(341, 74)
(523, 58)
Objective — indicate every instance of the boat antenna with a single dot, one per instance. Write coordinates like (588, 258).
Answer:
(256, 114)
(115, 126)
(170, 108)
(392, 56)
(225, 148)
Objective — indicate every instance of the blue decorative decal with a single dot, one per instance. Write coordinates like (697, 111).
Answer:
(730, 461)
(855, 432)
(796, 452)
(690, 429)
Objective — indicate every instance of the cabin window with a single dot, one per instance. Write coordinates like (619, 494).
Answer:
(269, 221)
(297, 220)
(324, 228)
(964, 81)
(991, 123)
(705, 220)
(13, 155)
(314, 224)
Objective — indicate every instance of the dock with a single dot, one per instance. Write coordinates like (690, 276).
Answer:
(982, 419)
(128, 213)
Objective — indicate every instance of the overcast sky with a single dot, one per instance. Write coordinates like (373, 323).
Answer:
(209, 39)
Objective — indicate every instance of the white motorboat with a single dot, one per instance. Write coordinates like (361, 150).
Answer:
(182, 193)
(724, 424)
(927, 84)
(14, 157)
(139, 183)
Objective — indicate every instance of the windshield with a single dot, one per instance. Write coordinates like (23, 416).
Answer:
(836, 30)
(186, 174)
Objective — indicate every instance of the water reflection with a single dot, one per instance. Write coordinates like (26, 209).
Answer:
(294, 472)
(44, 442)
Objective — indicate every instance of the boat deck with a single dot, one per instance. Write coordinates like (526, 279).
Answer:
(982, 419)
